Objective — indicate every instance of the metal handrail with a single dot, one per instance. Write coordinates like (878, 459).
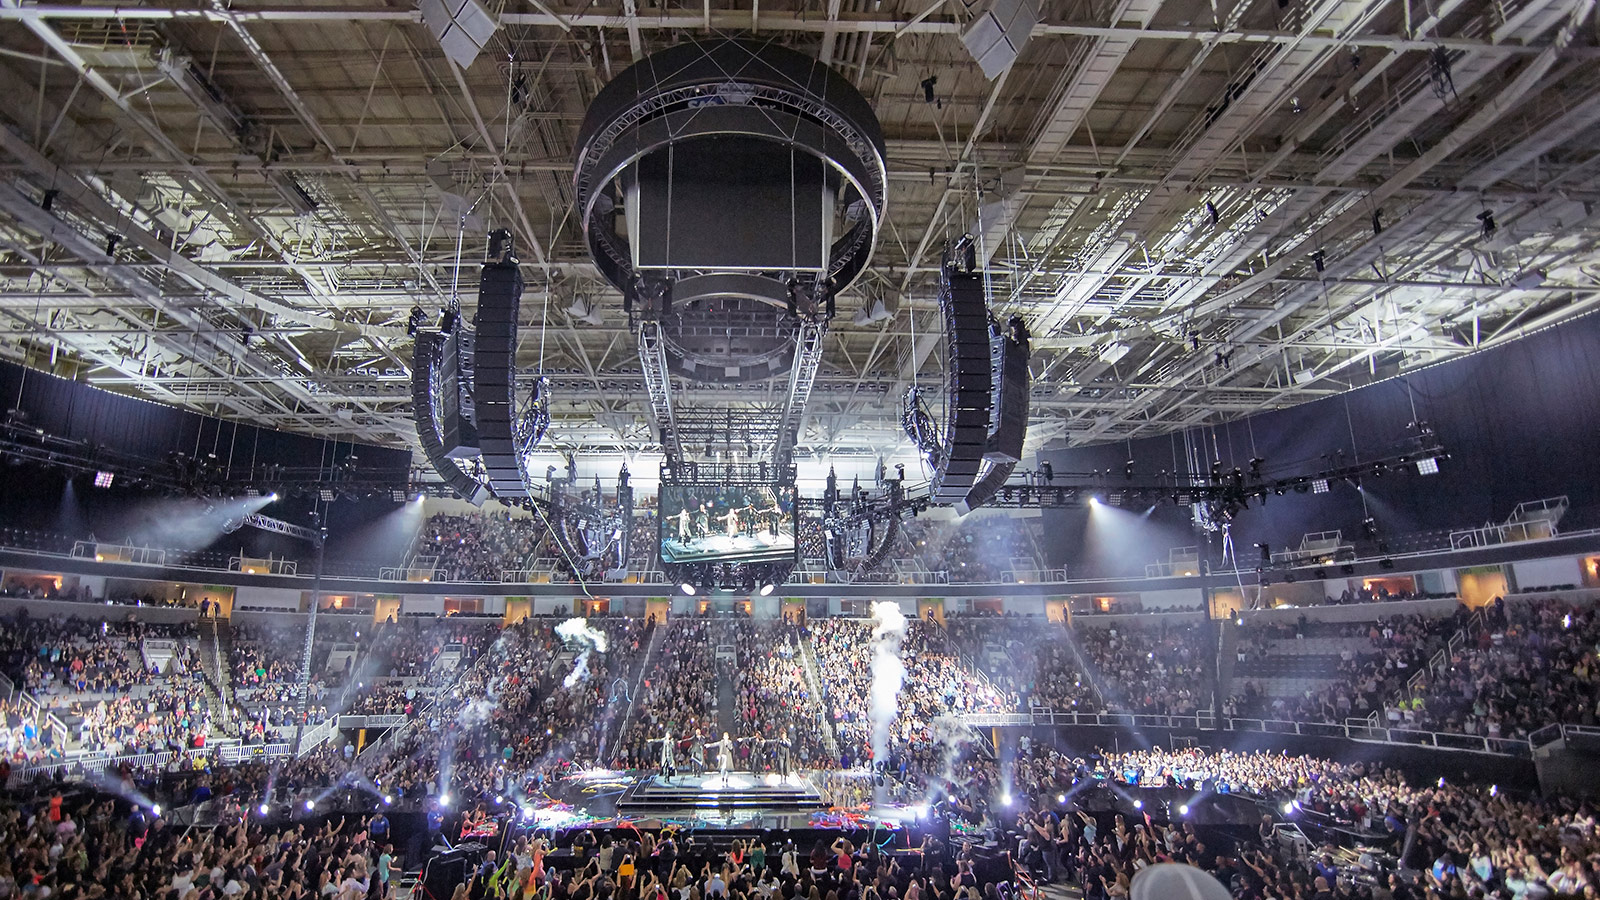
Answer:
(1518, 747)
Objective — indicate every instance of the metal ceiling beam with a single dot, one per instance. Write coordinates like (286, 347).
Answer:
(735, 20)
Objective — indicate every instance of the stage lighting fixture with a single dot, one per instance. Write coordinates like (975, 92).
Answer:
(767, 589)
(263, 809)
(1429, 466)
(1094, 499)
(325, 495)
(1061, 798)
(103, 479)
(1319, 486)
(1138, 804)
(310, 805)
(444, 799)
(155, 808)
(397, 496)
(687, 588)
(1288, 808)
(1183, 810)
(1005, 799)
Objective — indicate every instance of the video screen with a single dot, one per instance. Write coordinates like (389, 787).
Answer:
(727, 523)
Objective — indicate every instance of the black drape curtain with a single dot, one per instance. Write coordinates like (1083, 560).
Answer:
(75, 411)
(1520, 422)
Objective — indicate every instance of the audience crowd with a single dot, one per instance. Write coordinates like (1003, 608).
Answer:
(1027, 657)
(1168, 670)
(1523, 667)
(1396, 648)
(481, 546)
(936, 684)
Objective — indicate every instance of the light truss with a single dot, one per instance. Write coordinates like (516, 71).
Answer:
(222, 298)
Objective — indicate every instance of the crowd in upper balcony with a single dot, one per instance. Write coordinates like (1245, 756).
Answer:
(973, 548)
(1168, 670)
(1523, 666)
(481, 546)
(1395, 649)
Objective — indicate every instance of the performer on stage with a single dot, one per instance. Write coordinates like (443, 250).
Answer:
(697, 752)
(669, 755)
(724, 750)
(782, 753)
(683, 525)
(732, 520)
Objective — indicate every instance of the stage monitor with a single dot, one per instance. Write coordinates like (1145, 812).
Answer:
(712, 523)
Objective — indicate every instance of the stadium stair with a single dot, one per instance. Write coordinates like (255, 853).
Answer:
(616, 726)
(652, 647)
(216, 654)
(814, 685)
(1090, 673)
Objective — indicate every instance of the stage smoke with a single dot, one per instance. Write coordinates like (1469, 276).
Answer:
(888, 631)
(577, 631)
(476, 713)
(951, 737)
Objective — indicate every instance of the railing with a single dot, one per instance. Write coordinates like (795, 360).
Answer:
(316, 736)
(410, 573)
(99, 552)
(1352, 729)
(232, 754)
(1457, 540)
(1489, 535)
(373, 722)
(1550, 734)
(268, 565)
(1550, 509)
(47, 720)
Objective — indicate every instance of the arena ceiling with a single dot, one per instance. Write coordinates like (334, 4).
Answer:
(1204, 209)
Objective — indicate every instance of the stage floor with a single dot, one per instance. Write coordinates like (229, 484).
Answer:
(763, 545)
(746, 801)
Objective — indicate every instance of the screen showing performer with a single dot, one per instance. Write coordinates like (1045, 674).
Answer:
(726, 523)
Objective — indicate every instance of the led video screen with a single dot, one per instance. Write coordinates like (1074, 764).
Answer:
(709, 523)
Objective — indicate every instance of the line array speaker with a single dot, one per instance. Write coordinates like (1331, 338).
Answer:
(971, 388)
(499, 306)
(1011, 406)
(429, 351)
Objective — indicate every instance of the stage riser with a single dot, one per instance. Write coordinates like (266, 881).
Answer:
(693, 793)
